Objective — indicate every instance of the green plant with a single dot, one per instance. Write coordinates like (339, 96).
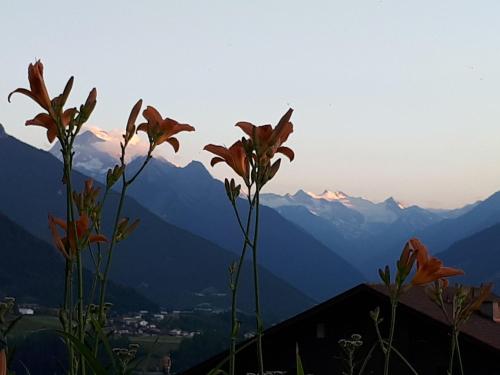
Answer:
(349, 348)
(429, 269)
(252, 159)
(7, 323)
(298, 361)
(464, 301)
(83, 322)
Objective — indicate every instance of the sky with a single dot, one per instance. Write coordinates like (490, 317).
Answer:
(391, 98)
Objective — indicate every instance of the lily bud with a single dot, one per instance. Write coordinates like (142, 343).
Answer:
(232, 191)
(124, 229)
(87, 108)
(130, 129)
(113, 175)
(406, 262)
(274, 169)
(86, 201)
(228, 188)
(236, 328)
(385, 275)
(375, 315)
(59, 101)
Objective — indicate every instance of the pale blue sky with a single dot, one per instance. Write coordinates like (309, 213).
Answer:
(394, 98)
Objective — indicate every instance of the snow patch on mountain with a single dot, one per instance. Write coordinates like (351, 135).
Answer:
(97, 150)
(338, 206)
(332, 196)
(383, 212)
(108, 141)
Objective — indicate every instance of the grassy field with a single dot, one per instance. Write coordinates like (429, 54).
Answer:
(29, 324)
(155, 342)
(156, 348)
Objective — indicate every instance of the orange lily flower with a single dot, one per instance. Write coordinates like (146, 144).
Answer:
(68, 245)
(161, 130)
(429, 268)
(38, 91)
(234, 156)
(268, 140)
(46, 121)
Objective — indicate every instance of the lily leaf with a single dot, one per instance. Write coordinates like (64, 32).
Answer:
(298, 360)
(92, 361)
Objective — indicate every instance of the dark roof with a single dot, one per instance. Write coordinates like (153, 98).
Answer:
(480, 328)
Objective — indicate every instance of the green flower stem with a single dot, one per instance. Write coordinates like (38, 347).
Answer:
(385, 345)
(380, 338)
(68, 285)
(245, 232)
(459, 354)
(70, 221)
(79, 266)
(95, 282)
(258, 313)
(394, 305)
(104, 279)
(81, 320)
(405, 361)
(351, 363)
(97, 262)
(234, 287)
(367, 358)
(125, 184)
(452, 353)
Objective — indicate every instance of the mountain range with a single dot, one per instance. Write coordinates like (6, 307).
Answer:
(311, 247)
(366, 234)
(168, 265)
(26, 261)
(354, 227)
(370, 235)
(479, 255)
(190, 198)
(357, 217)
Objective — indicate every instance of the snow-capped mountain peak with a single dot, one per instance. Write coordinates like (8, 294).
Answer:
(331, 203)
(97, 150)
(329, 195)
(99, 133)
(392, 203)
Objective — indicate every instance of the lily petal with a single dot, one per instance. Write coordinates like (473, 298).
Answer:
(215, 161)
(44, 120)
(152, 115)
(217, 150)
(68, 115)
(174, 142)
(247, 127)
(288, 152)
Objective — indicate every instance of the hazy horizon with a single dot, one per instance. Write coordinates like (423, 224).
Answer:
(391, 98)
